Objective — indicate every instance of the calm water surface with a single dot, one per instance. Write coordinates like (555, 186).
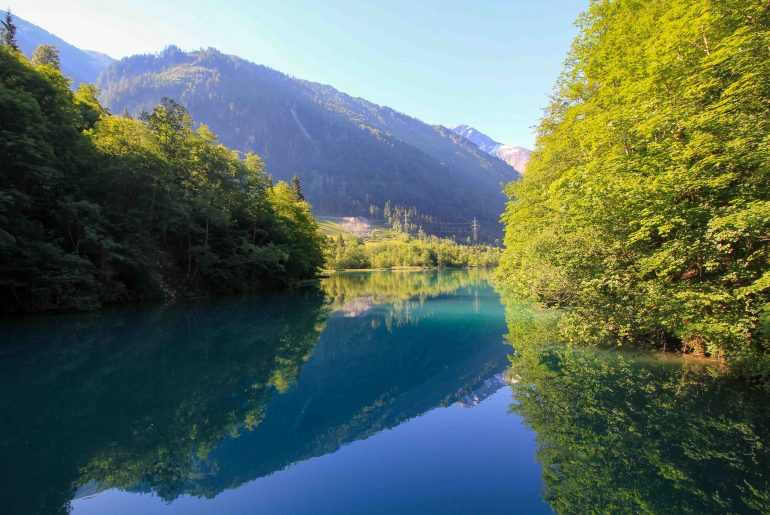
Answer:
(379, 393)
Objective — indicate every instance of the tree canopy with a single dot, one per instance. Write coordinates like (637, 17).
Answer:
(96, 208)
(646, 207)
(46, 54)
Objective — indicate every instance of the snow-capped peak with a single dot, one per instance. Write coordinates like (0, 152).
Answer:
(516, 157)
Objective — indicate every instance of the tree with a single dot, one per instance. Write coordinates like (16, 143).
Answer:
(88, 104)
(646, 207)
(171, 123)
(8, 32)
(297, 188)
(98, 209)
(46, 55)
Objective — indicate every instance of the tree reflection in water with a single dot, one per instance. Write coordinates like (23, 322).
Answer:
(619, 432)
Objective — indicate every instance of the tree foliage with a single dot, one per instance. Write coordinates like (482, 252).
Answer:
(646, 207)
(397, 250)
(296, 187)
(8, 32)
(97, 208)
(46, 55)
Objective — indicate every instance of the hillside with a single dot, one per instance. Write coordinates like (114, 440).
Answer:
(517, 157)
(352, 156)
(100, 209)
(79, 65)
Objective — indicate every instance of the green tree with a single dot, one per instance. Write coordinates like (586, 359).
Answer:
(98, 209)
(46, 55)
(8, 32)
(297, 188)
(88, 104)
(645, 208)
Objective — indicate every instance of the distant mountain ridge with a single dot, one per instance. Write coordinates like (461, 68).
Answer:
(79, 65)
(352, 156)
(517, 157)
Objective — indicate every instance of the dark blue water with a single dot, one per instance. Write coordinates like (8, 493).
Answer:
(382, 393)
(378, 393)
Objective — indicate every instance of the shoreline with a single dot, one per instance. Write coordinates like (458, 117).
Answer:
(402, 269)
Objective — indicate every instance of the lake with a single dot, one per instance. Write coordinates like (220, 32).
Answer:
(381, 392)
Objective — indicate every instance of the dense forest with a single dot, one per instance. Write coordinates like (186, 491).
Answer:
(646, 208)
(97, 208)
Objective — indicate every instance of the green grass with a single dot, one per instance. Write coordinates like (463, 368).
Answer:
(330, 226)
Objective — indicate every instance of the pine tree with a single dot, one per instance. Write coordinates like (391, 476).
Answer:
(297, 188)
(8, 31)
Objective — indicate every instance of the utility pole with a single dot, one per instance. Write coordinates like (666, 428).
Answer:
(475, 227)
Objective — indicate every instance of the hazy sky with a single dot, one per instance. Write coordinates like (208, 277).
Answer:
(491, 64)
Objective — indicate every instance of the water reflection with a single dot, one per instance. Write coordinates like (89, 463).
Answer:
(399, 292)
(138, 397)
(367, 375)
(626, 433)
(203, 396)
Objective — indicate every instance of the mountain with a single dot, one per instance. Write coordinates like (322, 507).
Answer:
(352, 156)
(479, 139)
(516, 157)
(80, 65)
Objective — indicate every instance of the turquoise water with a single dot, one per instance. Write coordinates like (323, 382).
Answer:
(379, 393)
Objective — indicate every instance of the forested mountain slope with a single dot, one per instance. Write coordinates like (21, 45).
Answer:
(96, 208)
(352, 155)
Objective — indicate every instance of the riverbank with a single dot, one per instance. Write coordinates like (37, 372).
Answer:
(408, 269)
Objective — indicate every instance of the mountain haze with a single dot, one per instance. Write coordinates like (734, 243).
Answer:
(352, 156)
(517, 157)
(79, 65)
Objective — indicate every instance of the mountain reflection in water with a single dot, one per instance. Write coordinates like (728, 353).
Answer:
(203, 396)
(378, 392)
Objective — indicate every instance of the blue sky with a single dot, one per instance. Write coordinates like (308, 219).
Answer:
(491, 64)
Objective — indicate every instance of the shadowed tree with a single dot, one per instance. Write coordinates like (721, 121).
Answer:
(8, 31)
(98, 209)
(297, 188)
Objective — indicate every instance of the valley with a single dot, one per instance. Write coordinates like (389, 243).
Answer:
(246, 265)
(351, 155)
